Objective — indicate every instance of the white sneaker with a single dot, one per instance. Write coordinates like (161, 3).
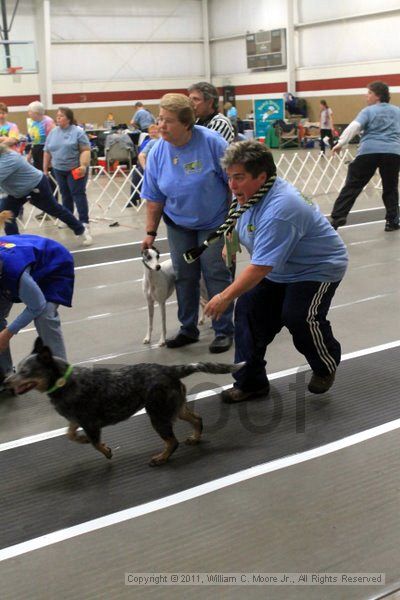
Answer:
(86, 238)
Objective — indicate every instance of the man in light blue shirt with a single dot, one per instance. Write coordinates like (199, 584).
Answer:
(142, 119)
(379, 126)
(297, 263)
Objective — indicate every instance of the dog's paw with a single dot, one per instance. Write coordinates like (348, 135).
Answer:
(161, 343)
(192, 441)
(157, 460)
(108, 452)
(105, 450)
(146, 340)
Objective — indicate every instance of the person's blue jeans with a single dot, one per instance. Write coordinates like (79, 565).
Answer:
(73, 192)
(216, 276)
(261, 313)
(5, 357)
(41, 197)
(48, 327)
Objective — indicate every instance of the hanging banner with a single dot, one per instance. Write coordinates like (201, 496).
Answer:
(265, 112)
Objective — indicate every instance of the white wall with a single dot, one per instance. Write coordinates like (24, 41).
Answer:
(172, 53)
(147, 22)
(314, 10)
(228, 17)
(361, 40)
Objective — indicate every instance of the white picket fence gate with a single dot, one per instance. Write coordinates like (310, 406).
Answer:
(110, 194)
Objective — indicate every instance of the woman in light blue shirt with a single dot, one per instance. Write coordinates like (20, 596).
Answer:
(67, 150)
(184, 183)
(379, 127)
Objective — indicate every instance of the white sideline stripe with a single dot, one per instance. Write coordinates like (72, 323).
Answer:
(113, 262)
(195, 492)
(47, 435)
(363, 224)
(112, 246)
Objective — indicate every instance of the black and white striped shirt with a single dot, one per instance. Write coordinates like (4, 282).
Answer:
(219, 123)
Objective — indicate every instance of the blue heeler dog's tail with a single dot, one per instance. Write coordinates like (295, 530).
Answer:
(181, 371)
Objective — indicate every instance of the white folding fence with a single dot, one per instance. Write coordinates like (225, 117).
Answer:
(110, 194)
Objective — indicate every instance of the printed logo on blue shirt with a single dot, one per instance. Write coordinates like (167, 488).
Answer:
(308, 200)
(193, 167)
(251, 228)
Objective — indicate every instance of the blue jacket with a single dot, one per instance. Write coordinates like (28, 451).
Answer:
(52, 267)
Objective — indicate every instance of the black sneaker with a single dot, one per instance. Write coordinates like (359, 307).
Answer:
(391, 226)
(319, 384)
(180, 340)
(221, 343)
(235, 395)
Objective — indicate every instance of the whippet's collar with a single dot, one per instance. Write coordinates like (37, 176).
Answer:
(61, 381)
(144, 261)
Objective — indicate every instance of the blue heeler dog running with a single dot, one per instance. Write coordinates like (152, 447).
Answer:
(93, 398)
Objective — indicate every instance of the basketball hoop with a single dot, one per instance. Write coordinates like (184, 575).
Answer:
(13, 70)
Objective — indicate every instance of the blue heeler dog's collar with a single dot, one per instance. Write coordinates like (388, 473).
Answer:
(61, 381)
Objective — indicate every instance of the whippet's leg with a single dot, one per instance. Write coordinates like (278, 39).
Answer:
(163, 324)
(150, 313)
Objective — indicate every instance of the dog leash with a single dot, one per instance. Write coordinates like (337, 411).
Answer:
(61, 381)
(235, 212)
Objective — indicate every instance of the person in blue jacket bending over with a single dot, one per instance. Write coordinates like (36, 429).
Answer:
(39, 273)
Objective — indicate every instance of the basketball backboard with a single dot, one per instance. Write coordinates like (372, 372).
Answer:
(17, 57)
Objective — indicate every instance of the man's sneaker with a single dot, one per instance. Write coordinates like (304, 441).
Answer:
(237, 395)
(391, 226)
(319, 384)
(337, 222)
(86, 238)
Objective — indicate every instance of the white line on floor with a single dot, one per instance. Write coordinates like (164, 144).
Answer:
(195, 492)
(113, 262)
(95, 248)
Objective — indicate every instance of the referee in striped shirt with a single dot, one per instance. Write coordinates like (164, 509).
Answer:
(204, 98)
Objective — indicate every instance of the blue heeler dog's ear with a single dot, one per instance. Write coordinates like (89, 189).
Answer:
(43, 352)
(38, 347)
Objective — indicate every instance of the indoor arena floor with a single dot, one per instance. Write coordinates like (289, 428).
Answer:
(293, 484)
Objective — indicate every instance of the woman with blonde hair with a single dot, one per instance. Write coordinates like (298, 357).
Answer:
(184, 183)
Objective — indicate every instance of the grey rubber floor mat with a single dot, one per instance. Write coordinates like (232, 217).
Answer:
(54, 484)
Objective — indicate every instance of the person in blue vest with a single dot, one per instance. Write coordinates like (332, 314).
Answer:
(39, 273)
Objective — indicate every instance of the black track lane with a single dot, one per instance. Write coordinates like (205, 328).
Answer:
(55, 484)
